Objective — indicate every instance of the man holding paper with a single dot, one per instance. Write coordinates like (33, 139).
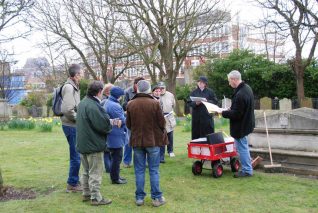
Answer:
(242, 120)
(202, 120)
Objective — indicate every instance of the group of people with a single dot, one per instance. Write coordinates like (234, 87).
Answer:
(102, 131)
(99, 127)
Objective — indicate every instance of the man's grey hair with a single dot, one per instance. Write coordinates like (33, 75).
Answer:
(94, 88)
(74, 69)
(234, 74)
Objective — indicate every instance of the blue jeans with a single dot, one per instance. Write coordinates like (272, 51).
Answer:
(169, 146)
(127, 150)
(153, 157)
(107, 161)
(244, 152)
(75, 160)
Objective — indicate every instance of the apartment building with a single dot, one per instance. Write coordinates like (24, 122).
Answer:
(218, 43)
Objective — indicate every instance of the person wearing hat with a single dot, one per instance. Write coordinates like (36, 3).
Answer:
(147, 125)
(156, 91)
(117, 137)
(168, 103)
(202, 121)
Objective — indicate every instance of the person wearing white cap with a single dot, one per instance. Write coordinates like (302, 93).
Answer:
(168, 103)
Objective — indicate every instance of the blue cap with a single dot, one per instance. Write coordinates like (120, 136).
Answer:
(116, 92)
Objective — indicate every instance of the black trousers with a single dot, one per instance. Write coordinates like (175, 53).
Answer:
(116, 158)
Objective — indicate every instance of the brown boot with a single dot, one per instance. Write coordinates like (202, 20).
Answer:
(77, 188)
(103, 201)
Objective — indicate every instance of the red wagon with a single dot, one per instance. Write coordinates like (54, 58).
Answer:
(214, 153)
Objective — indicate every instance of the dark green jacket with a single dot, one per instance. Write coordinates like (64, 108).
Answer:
(92, 126)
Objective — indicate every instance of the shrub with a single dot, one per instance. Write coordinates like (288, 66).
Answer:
(37, 99)
(183, 92)
(46, 125)
(83, 87)
(21, 124)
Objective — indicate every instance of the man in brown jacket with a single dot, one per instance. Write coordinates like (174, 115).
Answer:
(147, 125)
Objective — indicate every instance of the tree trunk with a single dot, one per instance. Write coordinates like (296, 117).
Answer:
(300, 88)
(299, 70)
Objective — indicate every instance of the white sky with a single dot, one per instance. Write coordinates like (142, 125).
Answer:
(27, 48)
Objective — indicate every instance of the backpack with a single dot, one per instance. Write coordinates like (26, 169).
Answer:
(57, 101)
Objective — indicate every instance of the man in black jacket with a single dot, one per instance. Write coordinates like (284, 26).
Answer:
(242, 120)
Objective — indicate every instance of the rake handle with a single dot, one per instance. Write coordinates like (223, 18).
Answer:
(269, 144)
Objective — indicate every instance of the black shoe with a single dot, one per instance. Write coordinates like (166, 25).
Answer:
(242, 175)
(119, 181)
(162, 161)
(122, 178)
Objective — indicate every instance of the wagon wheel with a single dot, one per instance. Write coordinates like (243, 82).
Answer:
(217, 170)
(214, 162)
(235, 164)
(197, 168)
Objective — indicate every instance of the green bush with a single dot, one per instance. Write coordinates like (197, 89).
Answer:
(21, 124)
(183, 92)
(83, 87)
(45, 126)
(49, 101)
(34, 98)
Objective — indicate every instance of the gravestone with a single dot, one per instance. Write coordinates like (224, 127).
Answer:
(288, 130)
(266, 103)
(285, 104)
(4, 110)
(226, 103)
(306, 102)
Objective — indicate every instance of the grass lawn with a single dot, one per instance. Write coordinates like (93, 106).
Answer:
(32, 159)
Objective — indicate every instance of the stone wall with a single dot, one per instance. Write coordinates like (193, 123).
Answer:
(290, 130)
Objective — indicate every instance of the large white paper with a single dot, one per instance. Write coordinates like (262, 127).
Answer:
(212, 108)
(197, 98)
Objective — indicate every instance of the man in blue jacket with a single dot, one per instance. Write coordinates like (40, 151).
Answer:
(242, 120)
(93, 125)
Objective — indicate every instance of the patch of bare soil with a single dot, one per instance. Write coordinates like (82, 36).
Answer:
(17, 194)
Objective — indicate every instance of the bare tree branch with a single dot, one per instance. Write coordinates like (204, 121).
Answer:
(164, 32)
(298, 19)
